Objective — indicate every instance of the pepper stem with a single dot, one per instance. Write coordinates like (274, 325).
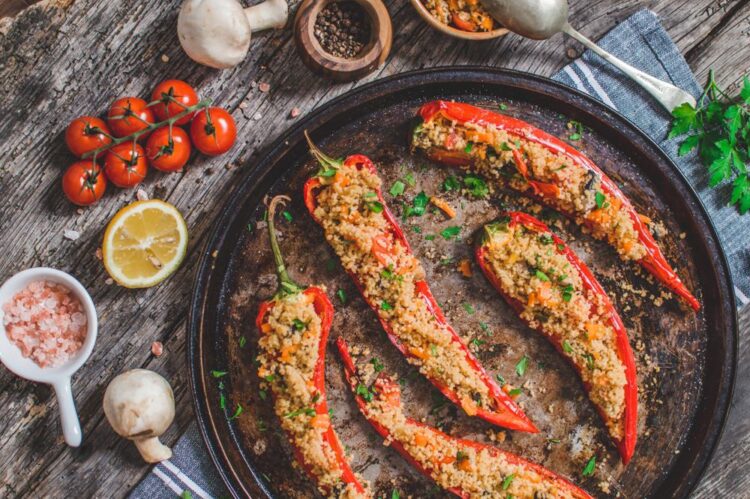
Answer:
(322, 157)
(286, 285)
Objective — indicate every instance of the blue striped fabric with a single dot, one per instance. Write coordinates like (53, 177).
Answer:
(640, 41)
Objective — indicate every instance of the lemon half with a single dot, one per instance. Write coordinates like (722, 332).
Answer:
(144, 243)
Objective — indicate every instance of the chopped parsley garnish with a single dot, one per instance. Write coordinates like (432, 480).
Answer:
(508, 480)
(262, 394)
(566, 347)
(469, 147)
(270, 378)
(541, 275)
(589, 361)
(419, 204)
(364, 392)
(429, 237)
(218, 374)
(545, 239)
(309, 411)
(409, 179)
(601, 200)
(298, 325)
(451, 184)
(186, 494)
(397, 188)
(243, 341)
(447, 261)
(484, 326)
(477, 342)
(500, 379)
(237, 411)
(433, 350)
(469, 308)
(250, 227)
(578, 130)
(560, 247)
(505, 147)
(476, 186)
(515, 391)
(376, 364)
(416, 229)
(502, 106)
(395, 494)
(384, 305)
(389, 274)
(450, 232)
(262, 426)
(461, 456)
(342, 296)
(222, 401)
(567, 292)
(588, 470)
(287, 215)
(522, 365)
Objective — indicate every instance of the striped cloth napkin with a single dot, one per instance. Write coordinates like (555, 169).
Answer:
(640, 41)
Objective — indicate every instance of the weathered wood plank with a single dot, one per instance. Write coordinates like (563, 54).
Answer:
(57, 63)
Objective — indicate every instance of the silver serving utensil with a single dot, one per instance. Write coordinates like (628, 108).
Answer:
(540, 19)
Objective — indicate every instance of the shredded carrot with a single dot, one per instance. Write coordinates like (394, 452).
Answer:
(341, 179)
(594, 330)
(483, 137)
(287, 351)
(420, 439)
(265, 327)
(646, 220)
(464, 266)
(419, 353)
(320, 421)
(599, 216)
(627, 246)
(444, 206)
(464, 465)
(469, 406)
(487, 23)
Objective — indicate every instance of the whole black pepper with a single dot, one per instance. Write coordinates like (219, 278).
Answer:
(342, 29)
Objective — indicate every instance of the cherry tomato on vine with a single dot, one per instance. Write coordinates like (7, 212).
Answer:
(125, 165)
(168, 153)
(85, 134)
(83, 183)
(213, 131)
(174, 97)
(129, 115)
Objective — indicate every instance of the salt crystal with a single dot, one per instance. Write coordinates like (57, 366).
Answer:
(157, 348)
(257, 116)
(45, 330)
(71, 234)
(264, 87)
(98, 254)
(294, 112)
(164, 58)
(141, 195)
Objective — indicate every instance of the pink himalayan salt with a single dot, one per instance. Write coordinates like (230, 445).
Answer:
(46, 322)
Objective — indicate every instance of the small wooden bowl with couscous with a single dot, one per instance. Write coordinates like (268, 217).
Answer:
(465, 19)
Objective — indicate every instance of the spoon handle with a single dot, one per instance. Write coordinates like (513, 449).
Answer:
(667, 94)
(68, 416)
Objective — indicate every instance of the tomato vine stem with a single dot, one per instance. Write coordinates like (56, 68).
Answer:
(150, 128)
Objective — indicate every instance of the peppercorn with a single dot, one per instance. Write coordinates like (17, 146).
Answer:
(342, 29)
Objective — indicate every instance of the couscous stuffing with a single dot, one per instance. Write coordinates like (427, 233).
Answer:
(392, 281)
(466, 15)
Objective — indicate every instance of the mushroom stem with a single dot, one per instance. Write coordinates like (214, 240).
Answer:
(267, 15)
(152, 450)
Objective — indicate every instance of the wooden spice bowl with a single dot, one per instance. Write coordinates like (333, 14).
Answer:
(455, 32)
(372, 55)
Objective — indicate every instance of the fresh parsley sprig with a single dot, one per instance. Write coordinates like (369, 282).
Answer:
(719, 127)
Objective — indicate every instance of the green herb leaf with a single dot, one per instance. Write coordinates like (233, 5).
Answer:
(218, 374)
(384, 305)
(222, 401)
(508, 480)
(395, 494)
(451, 184)
(450, 232)
(541, 275)
(522, 365)
(262, 394)
(298, 325)
(514, 392)
(469, 308)
(364, 392)
(588, 470)
(468, 148)
(237, 411)
(589, 361)
(600, 199)
(376, 364)
(341, 294)
(476, 186)
(567, 292)
(375, 206)
(409, 179)
(500, 379)
(477, 342)
(545, 239)
(566, 347)
(186, 494)
(503, 107)
(419, 204)
(243, 341)
(397, 188)
(485, 327)
(429, 237)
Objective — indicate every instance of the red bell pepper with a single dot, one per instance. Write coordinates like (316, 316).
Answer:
(461, 113)
(626, 445)
(324, 310)
(387, 391)
(506, 413)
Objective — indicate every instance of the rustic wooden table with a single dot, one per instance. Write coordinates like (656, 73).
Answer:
(63, 58)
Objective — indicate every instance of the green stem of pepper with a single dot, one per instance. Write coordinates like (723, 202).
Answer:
(286, 285)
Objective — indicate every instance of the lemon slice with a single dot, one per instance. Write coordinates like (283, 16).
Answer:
(144, 243)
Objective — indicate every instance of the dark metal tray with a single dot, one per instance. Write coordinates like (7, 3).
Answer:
(686, 361)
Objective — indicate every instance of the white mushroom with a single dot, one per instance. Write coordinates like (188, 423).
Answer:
(217, 32)
(139, 404)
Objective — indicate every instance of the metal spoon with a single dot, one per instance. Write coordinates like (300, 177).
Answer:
(540, 19)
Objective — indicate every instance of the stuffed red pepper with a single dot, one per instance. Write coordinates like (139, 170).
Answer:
(345, 198)
(466, 468)
(533, 162)
(294, 327)
(555, 293)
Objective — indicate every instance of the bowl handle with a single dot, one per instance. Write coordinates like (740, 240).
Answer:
(68, 416)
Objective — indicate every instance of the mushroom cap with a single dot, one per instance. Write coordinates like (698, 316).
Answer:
(214, 32)
(139, 404)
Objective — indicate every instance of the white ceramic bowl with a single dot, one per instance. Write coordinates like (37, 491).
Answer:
(59, 377)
